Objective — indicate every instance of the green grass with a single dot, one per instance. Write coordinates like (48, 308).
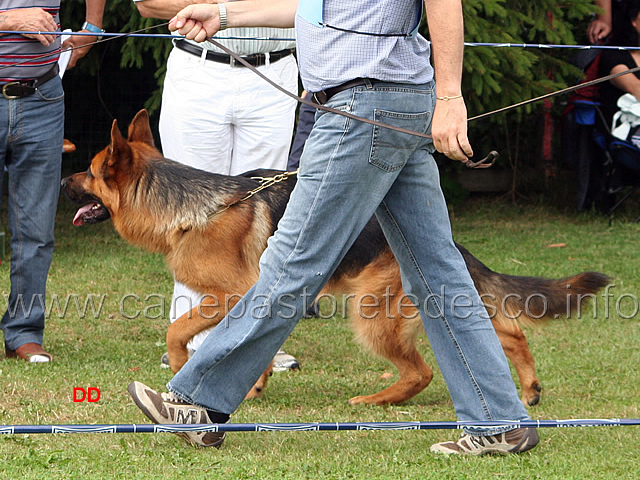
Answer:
(588, 368)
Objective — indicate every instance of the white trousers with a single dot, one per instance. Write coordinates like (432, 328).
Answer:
(224, 120)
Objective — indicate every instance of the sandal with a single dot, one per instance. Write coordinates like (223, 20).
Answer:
(29, 352)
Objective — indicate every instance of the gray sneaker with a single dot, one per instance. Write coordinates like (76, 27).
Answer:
(168, 408)
(283, 361)
(514, 441)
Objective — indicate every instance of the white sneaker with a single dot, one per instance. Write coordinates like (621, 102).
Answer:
(164, 360)
(283, 361)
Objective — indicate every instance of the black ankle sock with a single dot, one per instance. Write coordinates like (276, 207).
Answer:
(217, 417)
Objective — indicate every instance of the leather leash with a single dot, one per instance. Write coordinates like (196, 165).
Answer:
(301, 100)
(485, 162)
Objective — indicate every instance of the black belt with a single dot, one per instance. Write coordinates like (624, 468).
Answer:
(323, 96)
(19, 89)
(256, 60)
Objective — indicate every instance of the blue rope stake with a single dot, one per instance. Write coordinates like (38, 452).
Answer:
(318, 427)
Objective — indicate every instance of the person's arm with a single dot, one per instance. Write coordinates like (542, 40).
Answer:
(449, 125)
(95, 12)
(628, 83)
(199, 22)
(80, 43)
(602, 25)
(165, 9)
(29, 20)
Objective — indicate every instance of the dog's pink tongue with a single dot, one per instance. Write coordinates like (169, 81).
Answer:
(77, 220)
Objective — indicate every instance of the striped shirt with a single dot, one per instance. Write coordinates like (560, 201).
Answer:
(329, 56)
(252, 44)
(15, 49)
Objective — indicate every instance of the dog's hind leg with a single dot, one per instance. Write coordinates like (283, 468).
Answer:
(392, 336)
(516, 349)
(415, 376)
(258, 388)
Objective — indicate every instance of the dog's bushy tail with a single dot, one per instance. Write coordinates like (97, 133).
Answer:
(511, 298)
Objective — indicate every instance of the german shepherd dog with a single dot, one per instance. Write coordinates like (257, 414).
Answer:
(212, 238)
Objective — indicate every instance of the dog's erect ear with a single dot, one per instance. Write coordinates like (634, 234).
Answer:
(139, 129)
(119, 148)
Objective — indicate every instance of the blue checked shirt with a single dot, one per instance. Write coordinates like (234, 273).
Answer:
(329, 57)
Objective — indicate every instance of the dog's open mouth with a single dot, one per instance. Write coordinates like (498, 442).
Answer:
(91, 213)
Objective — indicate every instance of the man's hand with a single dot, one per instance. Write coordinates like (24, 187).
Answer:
(80, 45)
(598, 30)
(197, 22)
(30, 20)
(449, 129)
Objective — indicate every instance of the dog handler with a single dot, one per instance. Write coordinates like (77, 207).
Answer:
(366, 58)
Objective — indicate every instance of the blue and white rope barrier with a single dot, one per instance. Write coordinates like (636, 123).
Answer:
(467, 44)
(318, 427)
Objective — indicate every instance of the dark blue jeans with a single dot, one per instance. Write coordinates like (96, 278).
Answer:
(306, 119)
(31, 136)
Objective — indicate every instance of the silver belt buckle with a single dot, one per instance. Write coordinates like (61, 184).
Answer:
(234, 63)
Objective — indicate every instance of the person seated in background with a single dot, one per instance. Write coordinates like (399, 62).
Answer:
(617, 61)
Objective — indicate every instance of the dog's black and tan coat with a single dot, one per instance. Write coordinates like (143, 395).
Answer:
(164, 206)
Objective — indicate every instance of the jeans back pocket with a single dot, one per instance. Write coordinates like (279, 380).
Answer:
(390, 149)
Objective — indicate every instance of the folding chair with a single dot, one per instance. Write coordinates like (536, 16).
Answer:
(585, 151)
(607, 167)
(579, 119)
(624, 174)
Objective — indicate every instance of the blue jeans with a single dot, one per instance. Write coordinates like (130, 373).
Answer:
(350, 171)
(31, 136)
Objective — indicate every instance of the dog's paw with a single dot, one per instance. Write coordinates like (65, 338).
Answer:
(255, 392)
(531, 396)
(258, 389)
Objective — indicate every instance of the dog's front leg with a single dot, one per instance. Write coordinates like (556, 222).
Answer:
(206, 315)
